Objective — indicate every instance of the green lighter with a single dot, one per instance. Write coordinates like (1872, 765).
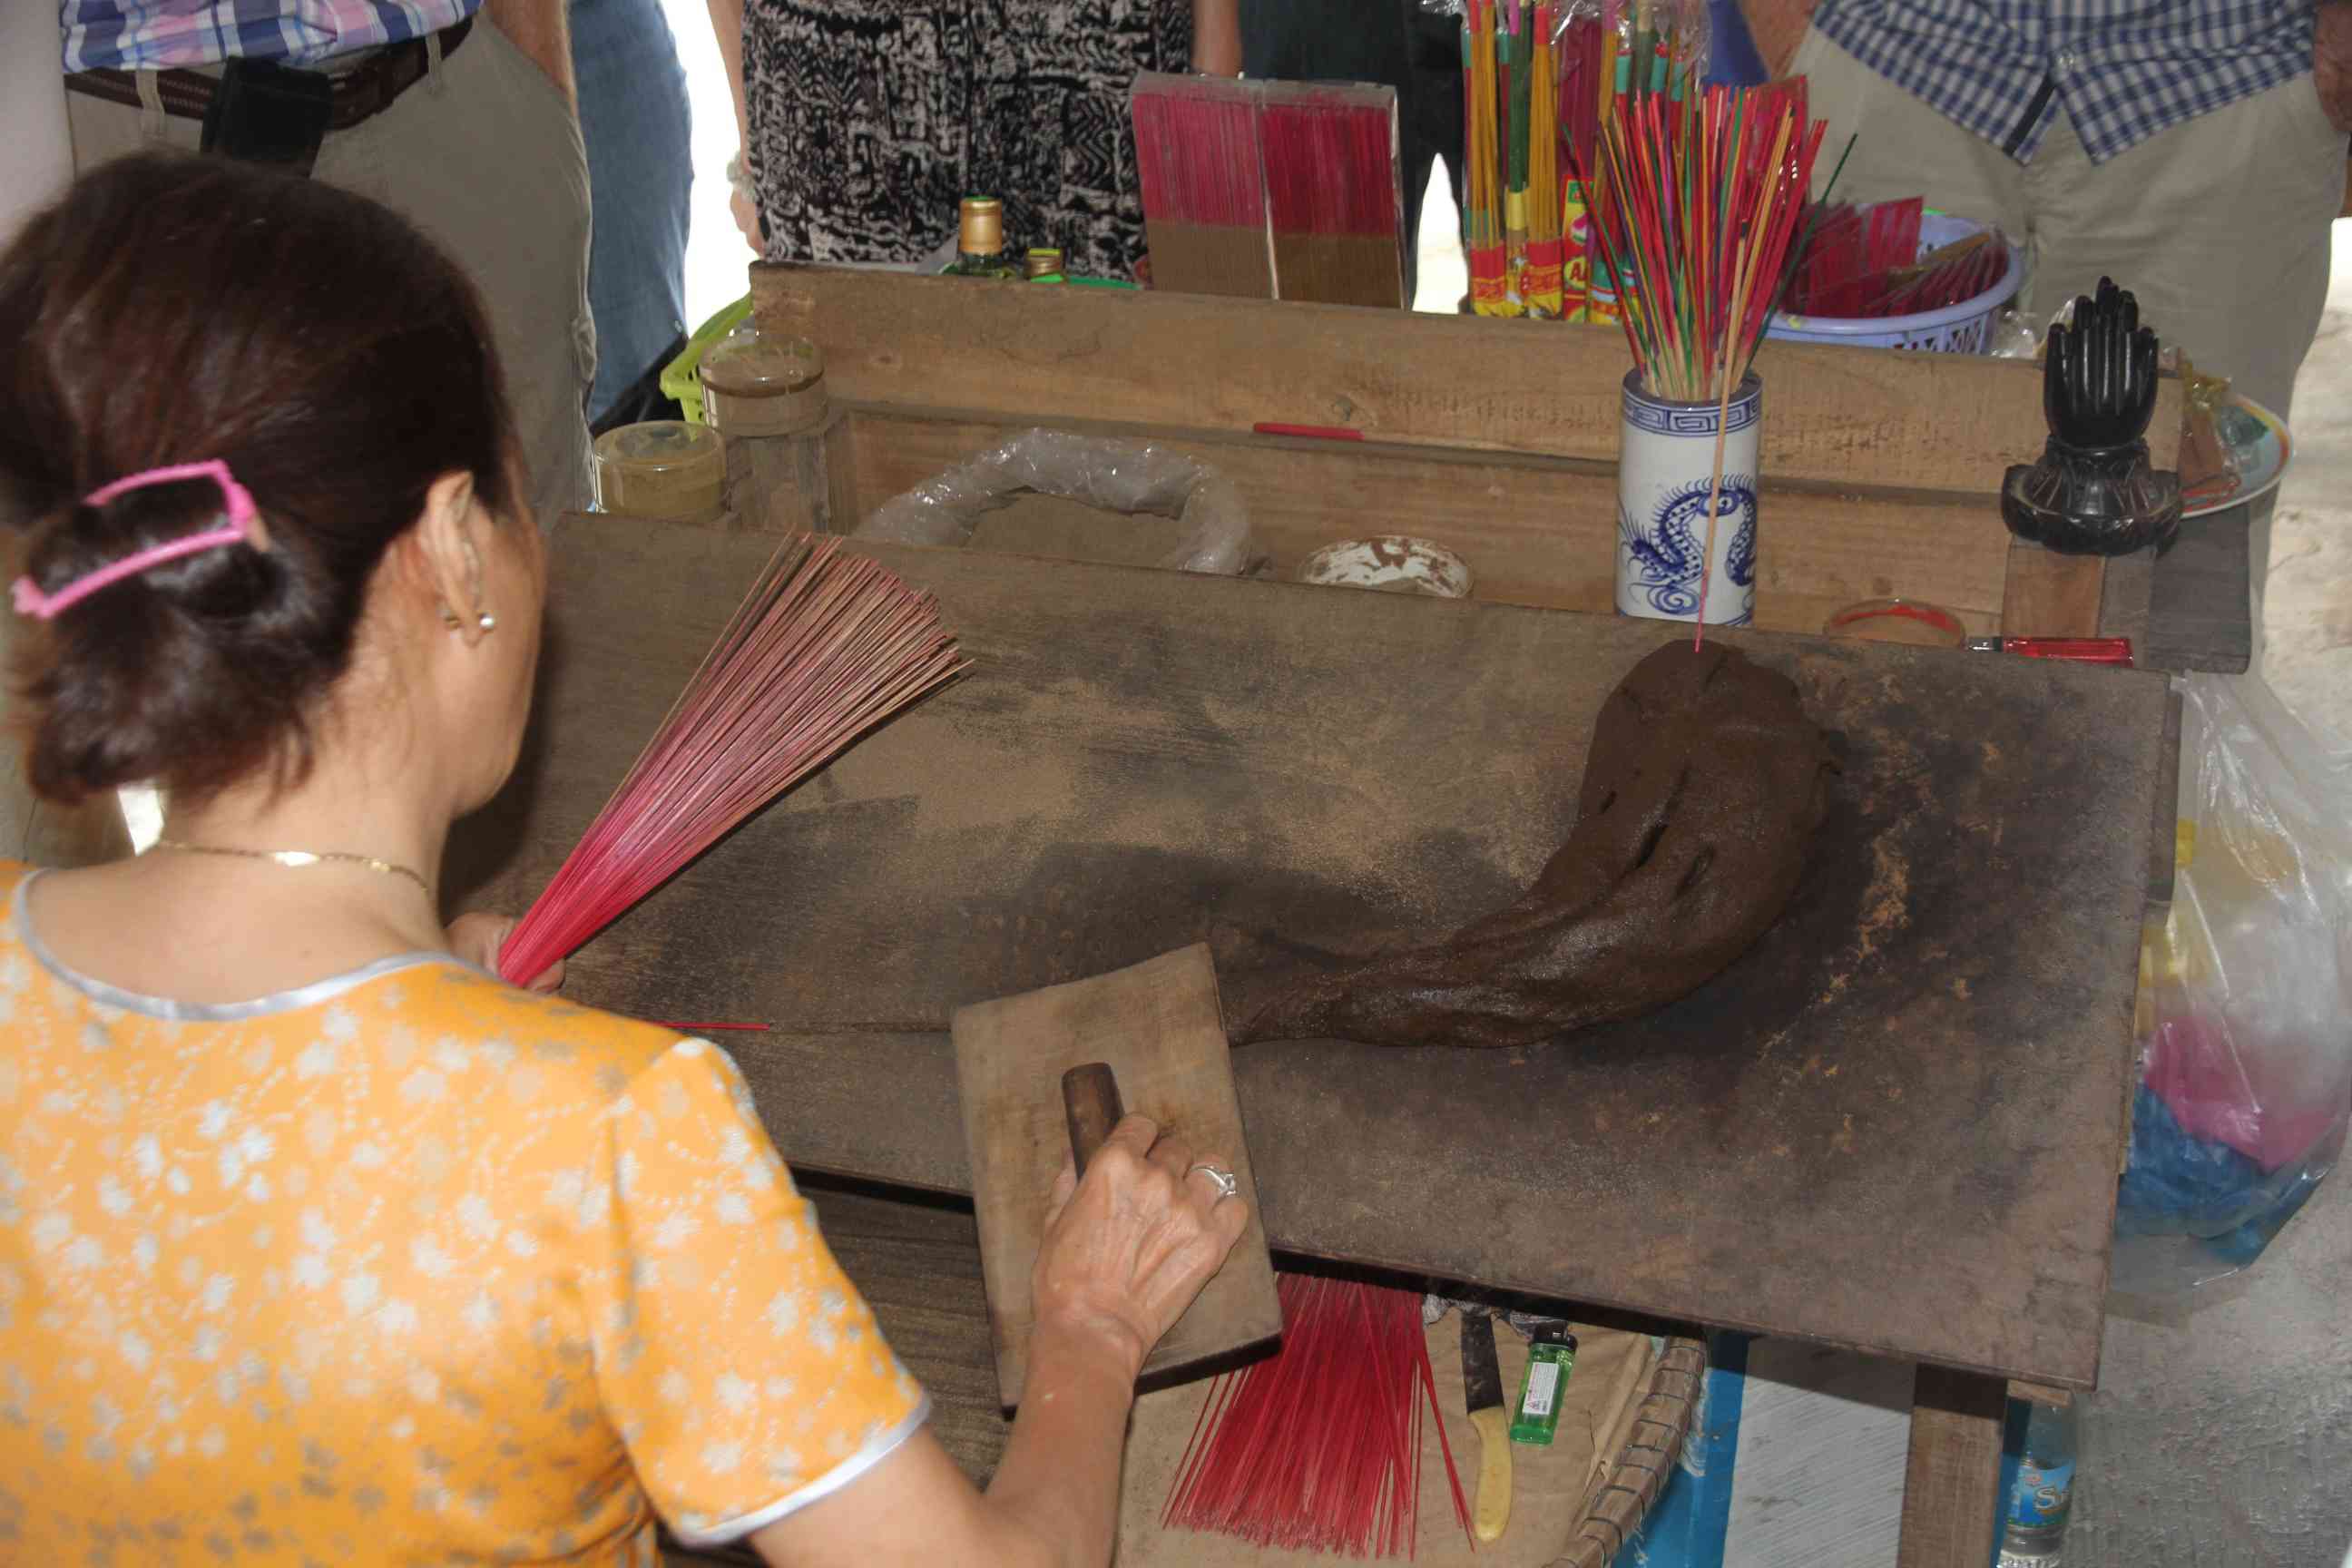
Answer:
(1552, 1357)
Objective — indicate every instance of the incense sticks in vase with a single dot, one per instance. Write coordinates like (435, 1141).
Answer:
(1704, 200)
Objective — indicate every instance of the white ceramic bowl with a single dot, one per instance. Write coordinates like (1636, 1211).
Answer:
(1390, 563)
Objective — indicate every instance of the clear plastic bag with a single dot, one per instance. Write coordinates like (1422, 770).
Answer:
(2245, 1015)
(1124, 476)
(2013, 336)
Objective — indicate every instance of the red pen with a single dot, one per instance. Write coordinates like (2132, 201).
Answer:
(1312, 432)
(2081, 650)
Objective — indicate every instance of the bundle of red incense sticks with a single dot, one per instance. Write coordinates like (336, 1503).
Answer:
(1318, 1448)
(824, 648)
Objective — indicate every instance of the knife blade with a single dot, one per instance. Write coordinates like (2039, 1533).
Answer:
(1482, 1397)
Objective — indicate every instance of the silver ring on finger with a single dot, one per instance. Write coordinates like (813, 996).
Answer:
(1228, 1184)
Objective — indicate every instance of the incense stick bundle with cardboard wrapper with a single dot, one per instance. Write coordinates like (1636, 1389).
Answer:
(1201, 169)
(1335, 200)
(824, 648)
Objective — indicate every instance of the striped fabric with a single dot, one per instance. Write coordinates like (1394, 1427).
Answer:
(136, 35)
(2122, 69)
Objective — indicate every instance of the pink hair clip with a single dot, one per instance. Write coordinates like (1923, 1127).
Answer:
(242, 527)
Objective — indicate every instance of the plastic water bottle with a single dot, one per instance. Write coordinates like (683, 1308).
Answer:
(2033, 1534)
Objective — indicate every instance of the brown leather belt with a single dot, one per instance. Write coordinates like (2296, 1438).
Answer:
(359, 94)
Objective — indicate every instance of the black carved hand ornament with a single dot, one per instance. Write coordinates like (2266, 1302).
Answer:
(2098, 385)
(2093, 492)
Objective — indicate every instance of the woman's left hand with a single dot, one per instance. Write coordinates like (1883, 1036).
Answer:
(477, 938)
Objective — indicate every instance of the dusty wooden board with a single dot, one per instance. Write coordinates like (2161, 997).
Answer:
(1890, 1127)
(1535, 531)
(1156, 1025)
(1841, 416)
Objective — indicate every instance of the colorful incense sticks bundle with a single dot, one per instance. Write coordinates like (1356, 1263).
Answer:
(1483, 186)
(824, 648)
(1703, 202)
(1538, 81)
(1318, 1447)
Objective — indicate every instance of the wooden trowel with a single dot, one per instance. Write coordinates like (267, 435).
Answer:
(1158, 1030)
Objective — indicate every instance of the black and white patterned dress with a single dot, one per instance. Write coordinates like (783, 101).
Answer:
(871, 119)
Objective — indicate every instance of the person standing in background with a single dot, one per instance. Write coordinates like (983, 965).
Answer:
(639, 130)
(865, 122)
(39, 165)
(457, 114)
(2192, 150)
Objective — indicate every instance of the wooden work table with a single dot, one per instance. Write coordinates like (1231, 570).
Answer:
(1895, 1126)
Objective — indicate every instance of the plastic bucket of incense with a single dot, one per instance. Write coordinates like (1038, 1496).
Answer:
(1665, 472)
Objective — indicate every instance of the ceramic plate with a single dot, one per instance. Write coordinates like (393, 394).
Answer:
(2258, 439)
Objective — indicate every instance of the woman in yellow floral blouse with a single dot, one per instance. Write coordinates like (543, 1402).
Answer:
(317, 1244)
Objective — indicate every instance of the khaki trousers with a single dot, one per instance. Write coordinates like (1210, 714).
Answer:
(2220, 226)
(485, 156)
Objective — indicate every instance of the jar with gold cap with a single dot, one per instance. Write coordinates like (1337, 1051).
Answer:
(663, 468)
(763, 383)
(979, 242)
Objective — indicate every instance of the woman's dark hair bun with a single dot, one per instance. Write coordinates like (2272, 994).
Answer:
(173, 310)
(195, 645)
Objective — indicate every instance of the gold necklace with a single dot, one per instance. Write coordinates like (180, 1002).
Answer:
(299, 858)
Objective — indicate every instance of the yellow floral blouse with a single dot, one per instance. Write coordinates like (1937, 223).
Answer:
(406, 1267)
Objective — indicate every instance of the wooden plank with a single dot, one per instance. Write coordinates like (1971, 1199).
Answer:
(2049, 594)
(2201, 612)
(1833, 416)
(1156, 1025)
(1951, 1489)
(1535, 531)
(1889, 1127)
(2126, 591)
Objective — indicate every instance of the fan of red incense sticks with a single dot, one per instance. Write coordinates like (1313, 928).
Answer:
(1318, 1448)
(823, 648)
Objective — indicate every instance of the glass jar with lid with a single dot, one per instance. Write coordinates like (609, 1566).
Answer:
(763, 383)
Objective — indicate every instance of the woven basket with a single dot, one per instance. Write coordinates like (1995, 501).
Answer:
(1654, 1431)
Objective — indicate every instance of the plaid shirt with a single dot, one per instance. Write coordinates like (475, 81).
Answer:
(2121, 70)
(140, 35)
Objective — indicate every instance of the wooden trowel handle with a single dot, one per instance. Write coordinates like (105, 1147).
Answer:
(1090, 1101)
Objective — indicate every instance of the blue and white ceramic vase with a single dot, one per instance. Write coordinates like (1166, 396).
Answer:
(1666, 466)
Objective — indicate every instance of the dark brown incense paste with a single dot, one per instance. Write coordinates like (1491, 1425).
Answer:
(1701, 795)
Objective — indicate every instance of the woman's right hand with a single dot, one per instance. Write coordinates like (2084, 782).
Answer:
(1127, 1249)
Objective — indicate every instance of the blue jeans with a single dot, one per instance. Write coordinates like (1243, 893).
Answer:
(634, 120)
